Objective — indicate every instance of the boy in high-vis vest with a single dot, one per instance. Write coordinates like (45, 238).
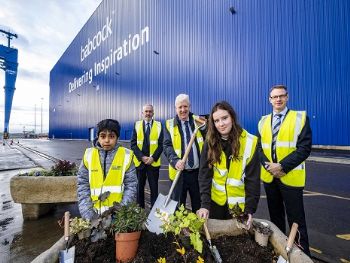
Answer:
(106, 167)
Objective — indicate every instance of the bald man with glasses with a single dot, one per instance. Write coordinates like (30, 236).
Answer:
(285, 140)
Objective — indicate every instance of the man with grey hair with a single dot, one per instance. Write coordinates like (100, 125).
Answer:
(147, 144)
(178, 132)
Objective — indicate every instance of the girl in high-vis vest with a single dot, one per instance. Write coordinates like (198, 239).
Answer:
(229, 170)
(106, 167)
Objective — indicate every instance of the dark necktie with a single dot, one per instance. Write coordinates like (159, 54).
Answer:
(148, 130)
(190, 160)
(145, 147)
(275, 128)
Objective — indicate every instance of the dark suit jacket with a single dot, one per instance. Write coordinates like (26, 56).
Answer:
(295, 158)
(168, 144)
(139, 153)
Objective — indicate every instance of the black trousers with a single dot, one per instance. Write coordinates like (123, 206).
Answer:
(283, 200)
(188, 182)
(152, 174)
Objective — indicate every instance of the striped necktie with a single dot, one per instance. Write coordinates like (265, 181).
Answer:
(275, 128)
(190, 160)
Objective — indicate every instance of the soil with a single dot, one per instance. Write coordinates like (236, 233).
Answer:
(232, 249)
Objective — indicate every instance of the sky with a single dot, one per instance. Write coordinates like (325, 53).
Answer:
(45, 28)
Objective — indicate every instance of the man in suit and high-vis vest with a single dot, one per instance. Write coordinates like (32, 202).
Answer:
(147, 144)
(285, 141)
(106, 167)
(177, 134)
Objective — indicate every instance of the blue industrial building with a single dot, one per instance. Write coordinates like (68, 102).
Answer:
(135, 52)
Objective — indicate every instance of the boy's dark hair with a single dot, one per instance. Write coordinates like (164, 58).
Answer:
(108, 124)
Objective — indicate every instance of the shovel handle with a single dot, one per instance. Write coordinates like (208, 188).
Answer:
(66, 225)
(291, 236)
(206, 231)
(184, 159)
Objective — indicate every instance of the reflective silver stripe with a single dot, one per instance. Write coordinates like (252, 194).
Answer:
(299, 167)
(102, 209)
(266, 145)
(222, 172)
(285, 144)
(200, 139)
(178, 152)
(234, 182)
(153, 142)
(246, 154)
(89, 160)
(297, 128)
(218, 187)
(112, 189)
(234, 200)
(139, 141)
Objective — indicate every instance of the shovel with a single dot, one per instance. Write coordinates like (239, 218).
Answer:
(290, 242)
(164, 206)
(214, 251)
(66, 255)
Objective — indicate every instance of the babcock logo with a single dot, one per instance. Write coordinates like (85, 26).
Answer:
(96, 41)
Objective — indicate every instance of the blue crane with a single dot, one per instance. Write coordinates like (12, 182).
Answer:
(8, 62)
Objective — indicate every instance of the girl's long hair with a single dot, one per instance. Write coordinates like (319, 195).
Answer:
(213, 136)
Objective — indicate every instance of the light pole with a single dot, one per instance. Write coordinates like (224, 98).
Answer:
(41, 119)
(34, 118)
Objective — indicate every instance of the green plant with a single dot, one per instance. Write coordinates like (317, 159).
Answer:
(184, 224)
(78, 225)
(237, 213)
(61, 168)
(129, 218)
(64, 168)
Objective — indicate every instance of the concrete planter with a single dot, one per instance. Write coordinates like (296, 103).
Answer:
(216, 228)
(38, 194)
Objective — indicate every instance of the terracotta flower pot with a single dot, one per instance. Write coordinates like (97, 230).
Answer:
(126, 245)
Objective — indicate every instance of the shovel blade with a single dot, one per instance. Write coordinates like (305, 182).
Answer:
(215, 253)
(67, 256)
(153, 221)
(281, 260)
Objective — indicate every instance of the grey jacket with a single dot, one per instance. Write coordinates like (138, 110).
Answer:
(83, 187)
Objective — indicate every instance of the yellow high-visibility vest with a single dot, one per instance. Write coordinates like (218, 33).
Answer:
(228, 185)
(114, 179)
(286, 142)
(176, 140)
(153, 140)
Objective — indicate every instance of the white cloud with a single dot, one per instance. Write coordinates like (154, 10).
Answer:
(45, 29)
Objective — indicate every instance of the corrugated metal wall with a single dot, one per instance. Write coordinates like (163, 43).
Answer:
(201, 48)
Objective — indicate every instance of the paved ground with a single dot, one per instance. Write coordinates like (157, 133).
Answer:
(327, 197)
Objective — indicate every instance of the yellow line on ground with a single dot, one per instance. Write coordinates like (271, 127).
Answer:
(344, 236)
(306, 193)
(344, 260)
(315, 250)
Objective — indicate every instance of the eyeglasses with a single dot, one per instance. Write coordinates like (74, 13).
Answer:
(279, 96)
